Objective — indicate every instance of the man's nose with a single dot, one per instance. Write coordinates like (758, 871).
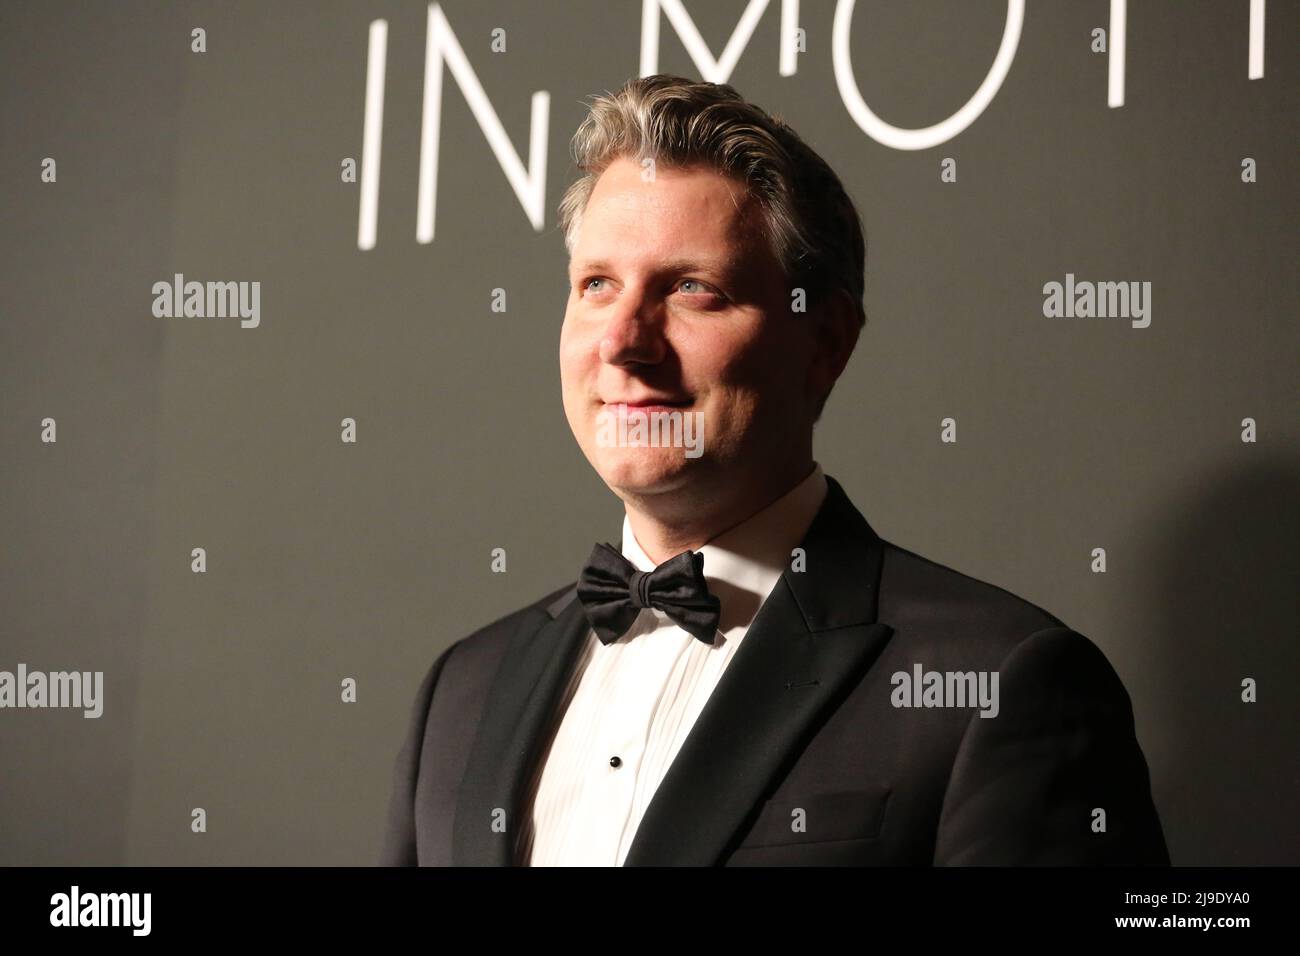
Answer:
(633, 333)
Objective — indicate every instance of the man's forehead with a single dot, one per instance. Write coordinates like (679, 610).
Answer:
(695, 197)
(682, 220)
(716, 244)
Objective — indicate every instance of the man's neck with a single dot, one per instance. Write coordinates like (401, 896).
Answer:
(667, 531)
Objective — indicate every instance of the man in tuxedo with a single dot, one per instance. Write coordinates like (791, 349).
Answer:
(751, 676)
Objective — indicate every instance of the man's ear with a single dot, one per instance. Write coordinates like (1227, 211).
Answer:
(835, 332)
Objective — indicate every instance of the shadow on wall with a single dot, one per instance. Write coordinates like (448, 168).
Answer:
(1223, 609)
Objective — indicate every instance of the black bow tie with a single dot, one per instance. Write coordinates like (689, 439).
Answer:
(613, 592)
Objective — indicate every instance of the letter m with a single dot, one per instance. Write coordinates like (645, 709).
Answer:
(715, 70)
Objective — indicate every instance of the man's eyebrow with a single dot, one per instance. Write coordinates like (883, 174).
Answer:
(684, 264)
(588, 265)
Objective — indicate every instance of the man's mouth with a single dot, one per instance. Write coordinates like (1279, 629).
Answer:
(649, 405)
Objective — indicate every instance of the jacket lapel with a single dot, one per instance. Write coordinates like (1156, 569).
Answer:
(815, 633)
(517, 718)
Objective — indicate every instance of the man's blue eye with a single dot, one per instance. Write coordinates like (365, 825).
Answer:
(690, 286)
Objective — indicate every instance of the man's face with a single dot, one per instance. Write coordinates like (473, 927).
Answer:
(676, 300)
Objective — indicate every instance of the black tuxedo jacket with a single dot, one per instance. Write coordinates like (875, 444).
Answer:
(799, 756)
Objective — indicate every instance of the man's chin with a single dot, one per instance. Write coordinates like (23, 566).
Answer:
(644, 471)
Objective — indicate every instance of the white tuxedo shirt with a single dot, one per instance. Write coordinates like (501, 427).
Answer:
(629, 705)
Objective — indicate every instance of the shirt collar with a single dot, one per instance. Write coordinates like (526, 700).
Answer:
(743, 564)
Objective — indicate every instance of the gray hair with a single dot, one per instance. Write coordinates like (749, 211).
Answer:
(811, 224)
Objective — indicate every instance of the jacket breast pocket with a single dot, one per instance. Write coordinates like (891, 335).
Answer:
(819, 818)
